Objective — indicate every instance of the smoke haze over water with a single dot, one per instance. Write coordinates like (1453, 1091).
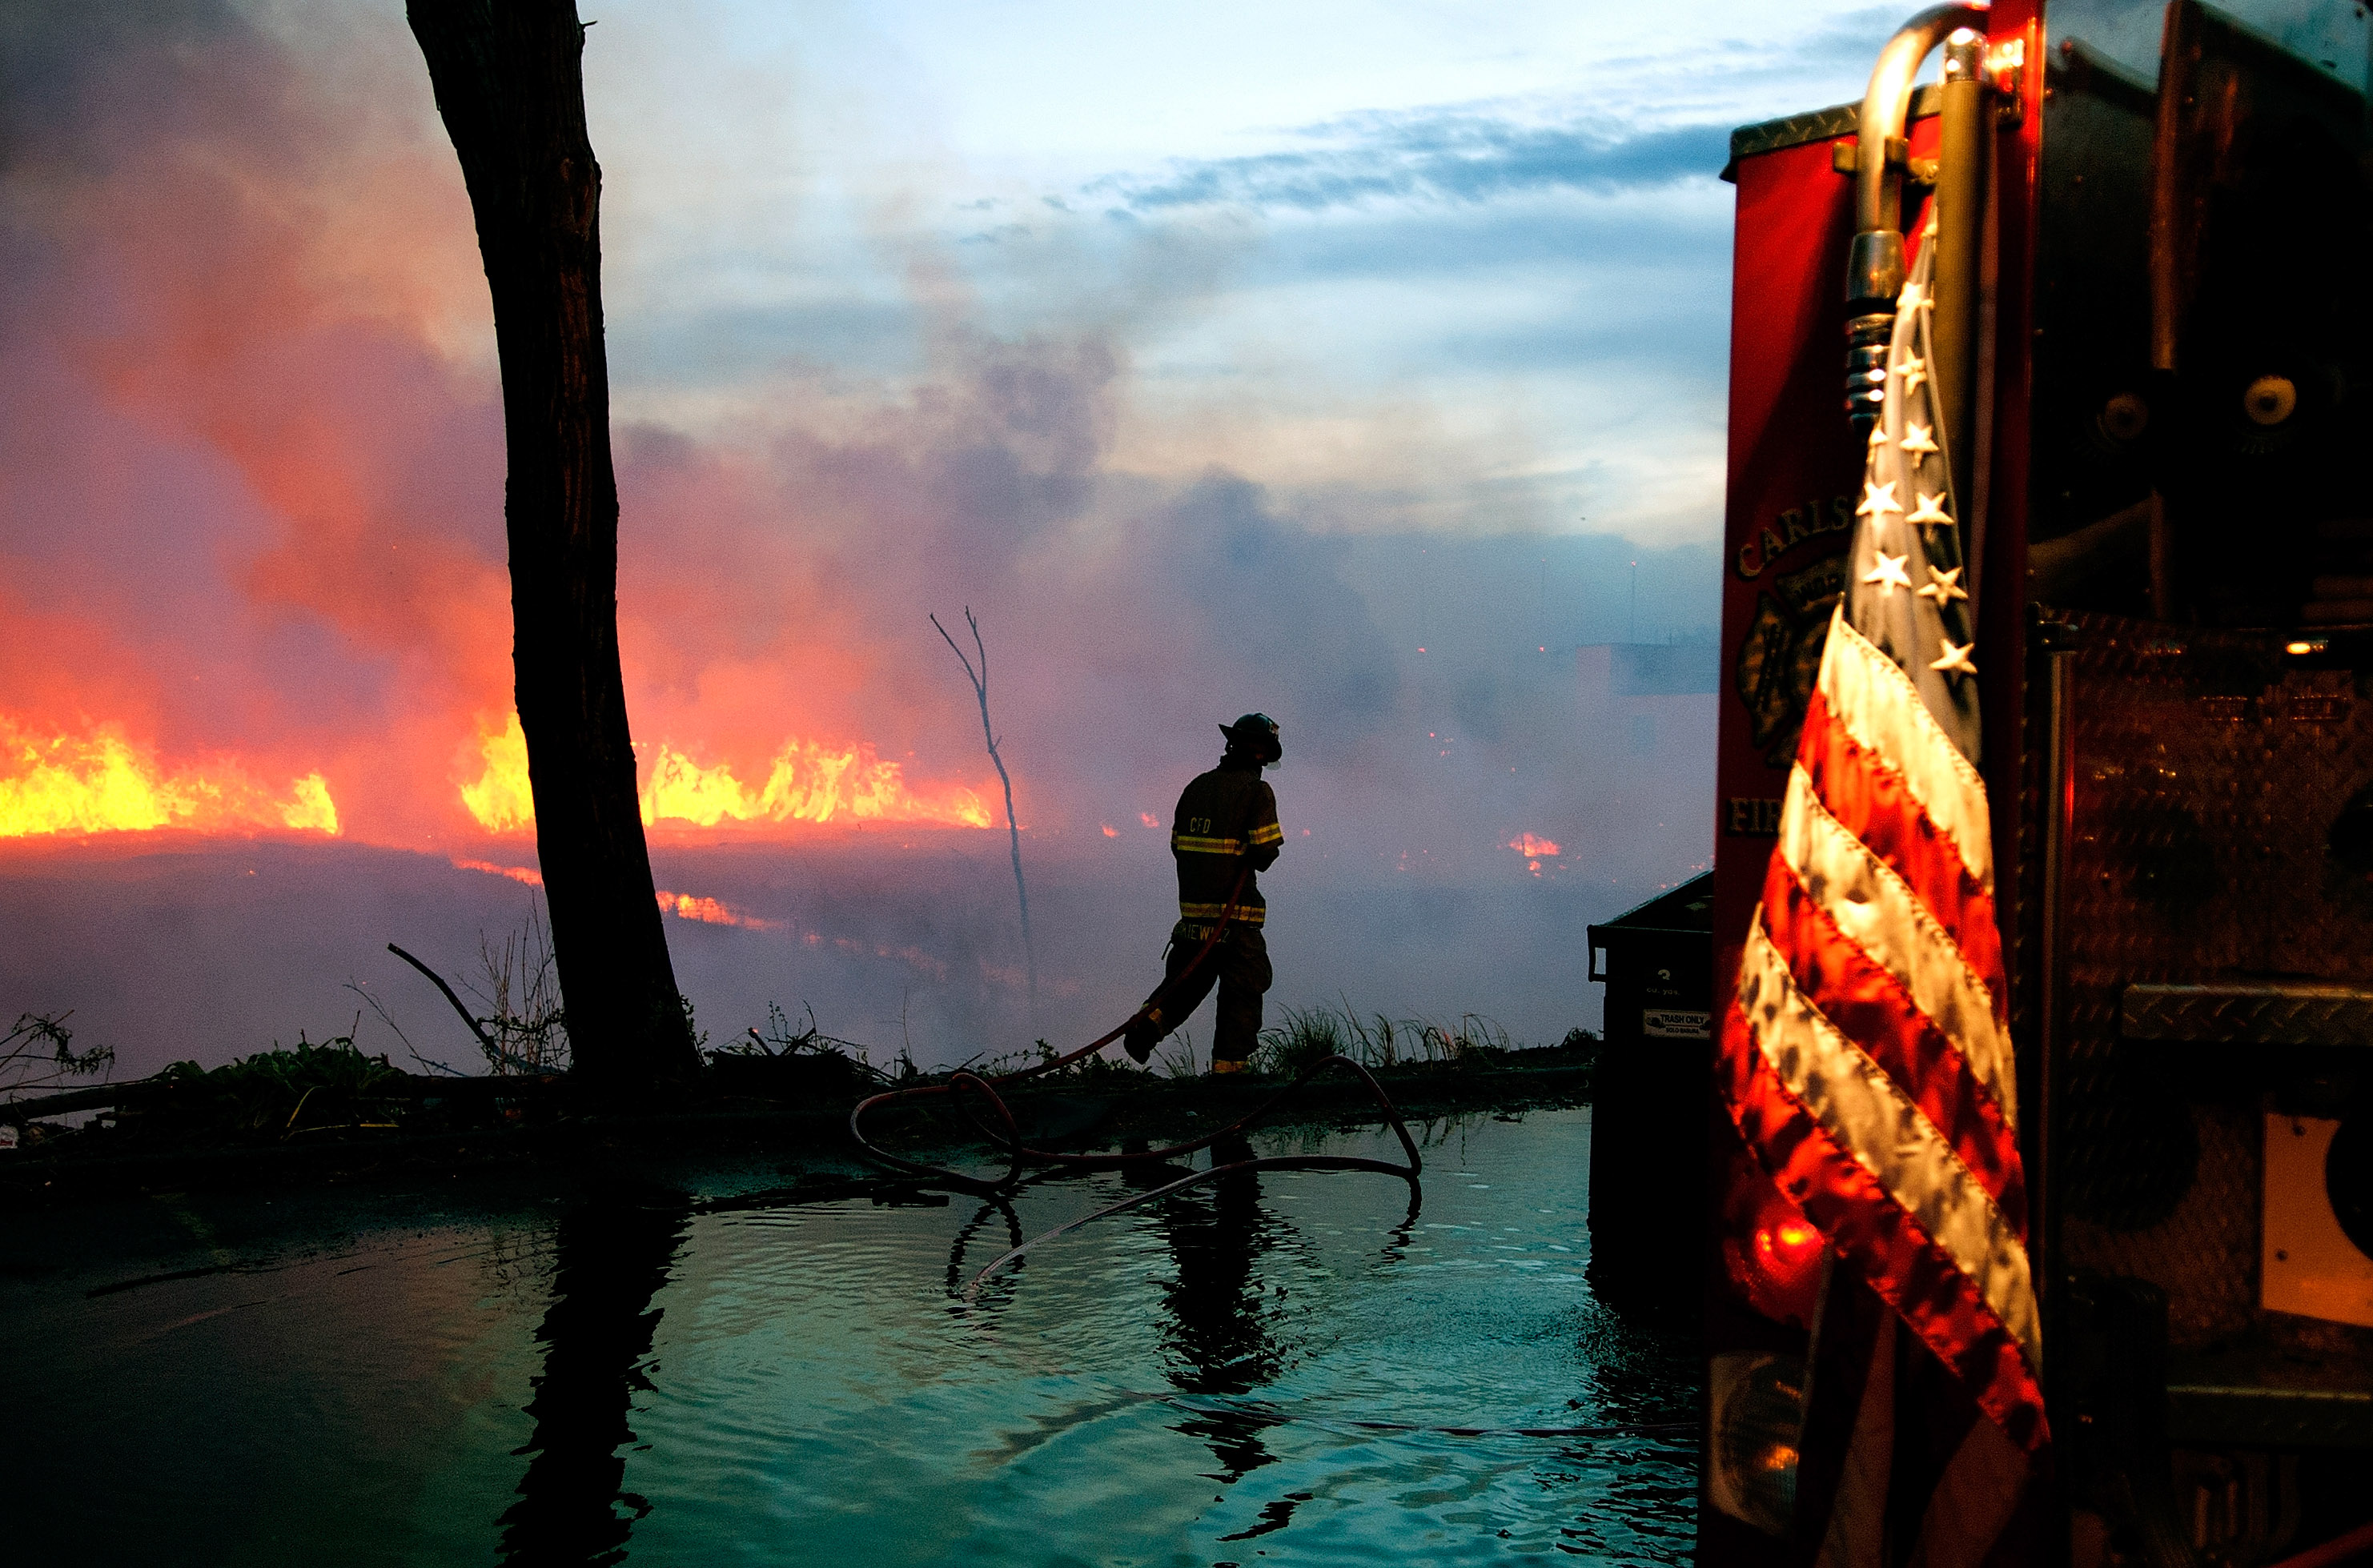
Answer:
(251, 484)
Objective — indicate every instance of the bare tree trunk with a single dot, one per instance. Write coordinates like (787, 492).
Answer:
(510, 82)
(1013, 828)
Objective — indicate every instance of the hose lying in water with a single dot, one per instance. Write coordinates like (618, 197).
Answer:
(1273, 1162)
(966, 1089)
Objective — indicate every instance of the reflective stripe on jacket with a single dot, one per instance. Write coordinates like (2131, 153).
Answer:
(1226, 822)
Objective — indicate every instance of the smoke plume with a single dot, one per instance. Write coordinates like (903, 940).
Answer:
(252, 552)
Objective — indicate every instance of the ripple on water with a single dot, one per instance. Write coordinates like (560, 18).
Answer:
(1223, 1377)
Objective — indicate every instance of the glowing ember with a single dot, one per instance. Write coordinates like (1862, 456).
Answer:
(808, 783)
(708, 911)
(1533, 848)
(1148, 819)
(99, 784)
(1111, 832)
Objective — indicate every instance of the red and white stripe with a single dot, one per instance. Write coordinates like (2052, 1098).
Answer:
(1866, 1053)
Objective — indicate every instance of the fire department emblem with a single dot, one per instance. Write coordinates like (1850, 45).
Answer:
(1781, 656)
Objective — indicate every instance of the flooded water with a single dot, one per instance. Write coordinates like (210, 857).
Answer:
(669, 1366)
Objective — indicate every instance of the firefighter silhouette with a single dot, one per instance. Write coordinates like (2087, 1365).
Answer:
(1224, 835)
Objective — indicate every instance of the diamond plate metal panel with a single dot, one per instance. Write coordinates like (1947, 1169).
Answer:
(2247, 1015)
(1817, 125)
(2202, 901)
(2271, 1418)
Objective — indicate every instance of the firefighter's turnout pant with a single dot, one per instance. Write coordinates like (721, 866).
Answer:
(1238, 965)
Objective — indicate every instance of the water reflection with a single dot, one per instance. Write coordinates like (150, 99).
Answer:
(1642, 1375)
(1214, 1326)
(994, 1205)
(373, 1388)
(613, 1253)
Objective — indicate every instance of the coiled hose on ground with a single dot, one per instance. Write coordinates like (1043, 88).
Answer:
(974, 1090)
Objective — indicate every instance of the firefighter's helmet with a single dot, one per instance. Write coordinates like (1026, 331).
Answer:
(1255, 736)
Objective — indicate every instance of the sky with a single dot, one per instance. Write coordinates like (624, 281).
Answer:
(1456, 267)
(1355, 363)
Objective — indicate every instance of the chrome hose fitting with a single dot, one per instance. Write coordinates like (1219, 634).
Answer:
(1875, 269)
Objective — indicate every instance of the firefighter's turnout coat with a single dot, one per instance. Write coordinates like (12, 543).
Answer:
(1226, 828)
(1226, 824)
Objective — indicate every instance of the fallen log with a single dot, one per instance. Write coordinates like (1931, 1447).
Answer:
(161, 1090)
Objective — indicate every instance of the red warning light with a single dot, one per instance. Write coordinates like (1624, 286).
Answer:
(1770, 1250)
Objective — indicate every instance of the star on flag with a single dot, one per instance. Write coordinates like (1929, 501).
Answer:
(1876, 499)
(1878, 1105)
(1945, 588)
(1955, 660)
(1888, 574)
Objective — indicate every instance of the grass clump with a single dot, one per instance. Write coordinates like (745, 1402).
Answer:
(1307, 1036)
(311, 1086)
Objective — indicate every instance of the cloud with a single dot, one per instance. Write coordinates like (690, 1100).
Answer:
(253, 505)
(1283, 629)
(1454, 156)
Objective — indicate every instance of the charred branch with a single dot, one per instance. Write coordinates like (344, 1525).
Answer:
(485, 1041)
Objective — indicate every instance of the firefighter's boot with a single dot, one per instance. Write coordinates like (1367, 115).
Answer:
(1142, 1032)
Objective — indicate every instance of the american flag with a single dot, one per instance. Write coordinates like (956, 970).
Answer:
(1867, 1055)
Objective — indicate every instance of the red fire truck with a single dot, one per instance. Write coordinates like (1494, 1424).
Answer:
(2155, 350)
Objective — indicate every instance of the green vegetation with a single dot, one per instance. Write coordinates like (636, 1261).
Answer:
(311, 1086)
(1310, 1035)
(1305, 1037)
(1175, 1056)
(38, 1050)
(331, 1092)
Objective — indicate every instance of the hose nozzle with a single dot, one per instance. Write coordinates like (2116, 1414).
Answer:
(1875, 269)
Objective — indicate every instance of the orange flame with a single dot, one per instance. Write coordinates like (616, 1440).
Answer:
(533, 879)
(500, 799)
(97, 782)
(1534, 848)
(809, 782)
(684, 906)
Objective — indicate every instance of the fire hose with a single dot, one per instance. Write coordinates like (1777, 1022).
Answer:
(975, 1090)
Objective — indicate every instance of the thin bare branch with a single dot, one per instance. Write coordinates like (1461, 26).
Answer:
(439, 981)
(397, 1029)
(979, 680)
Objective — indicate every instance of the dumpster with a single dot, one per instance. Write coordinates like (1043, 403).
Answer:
(1652, 1094)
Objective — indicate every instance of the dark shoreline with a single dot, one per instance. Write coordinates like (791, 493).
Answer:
(1104, 1109)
